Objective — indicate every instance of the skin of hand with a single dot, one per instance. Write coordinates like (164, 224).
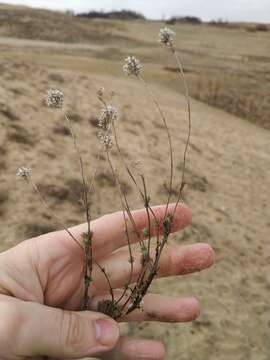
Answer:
(41, 289)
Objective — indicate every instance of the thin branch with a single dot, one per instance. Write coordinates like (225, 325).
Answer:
(148, 216)
(118, 185)
(182, 75)
(130, 173)
(124, 161)
(88, 266)
(168, 135)
(107, 278)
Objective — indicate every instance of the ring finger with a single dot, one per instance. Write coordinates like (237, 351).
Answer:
(155, 307)
(175, 260)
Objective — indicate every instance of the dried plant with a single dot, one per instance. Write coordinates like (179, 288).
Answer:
(132, 293)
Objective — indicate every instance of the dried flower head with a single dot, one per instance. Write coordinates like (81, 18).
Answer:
(166, 36)
(106, 140)
(108, 115)
(24, 172)
(132, 66)
(100, 92)
(54, 98)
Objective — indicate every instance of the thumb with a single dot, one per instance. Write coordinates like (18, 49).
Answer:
(46, 331)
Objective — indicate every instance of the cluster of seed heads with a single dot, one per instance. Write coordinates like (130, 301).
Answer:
(166, 36)
(132, 66)
(107, 116)
(54, 98)
(24, 172)
(106, 140)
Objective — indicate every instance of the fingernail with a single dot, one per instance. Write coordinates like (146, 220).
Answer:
(205, 256)
(107, 332)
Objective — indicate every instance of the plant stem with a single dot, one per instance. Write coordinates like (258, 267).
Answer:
(182, 75)
(168, 135)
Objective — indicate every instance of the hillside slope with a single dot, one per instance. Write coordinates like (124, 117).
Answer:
(29, 23)
(226, 68)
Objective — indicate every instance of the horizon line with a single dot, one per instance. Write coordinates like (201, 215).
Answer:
(166, 18)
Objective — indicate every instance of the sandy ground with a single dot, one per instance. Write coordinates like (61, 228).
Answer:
(22, 43)
(228, 192)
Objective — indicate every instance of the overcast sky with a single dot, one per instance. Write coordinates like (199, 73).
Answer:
(234, 10)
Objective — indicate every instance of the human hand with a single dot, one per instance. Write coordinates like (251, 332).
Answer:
(41, 289)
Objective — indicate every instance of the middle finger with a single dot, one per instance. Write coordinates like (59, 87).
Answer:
(175, 260)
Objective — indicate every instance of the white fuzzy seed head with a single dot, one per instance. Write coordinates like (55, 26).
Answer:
(24, 172)
(108, 115)
(106, 140)
(166, 36)
(132, 66)
(100, 92)
(54, 98)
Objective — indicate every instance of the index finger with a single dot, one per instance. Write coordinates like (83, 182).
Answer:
(109, 231)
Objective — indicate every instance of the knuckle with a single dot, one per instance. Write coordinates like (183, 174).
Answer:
(74, 333)
(10, 324)
(8, 312)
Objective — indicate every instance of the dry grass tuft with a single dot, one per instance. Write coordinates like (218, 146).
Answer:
(61, 130)
(20, 135)
(196, 233)
(36, 228)
(235, 94)
(57, 78)
(93, 121)
(9, 113)
(69, 191)
(4, 197)
(198, 182)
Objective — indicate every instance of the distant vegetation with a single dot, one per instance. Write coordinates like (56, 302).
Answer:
(258, 27)
(193, 20)
(121, 15)
(184, 19)
(223, 23)
(252, 27)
